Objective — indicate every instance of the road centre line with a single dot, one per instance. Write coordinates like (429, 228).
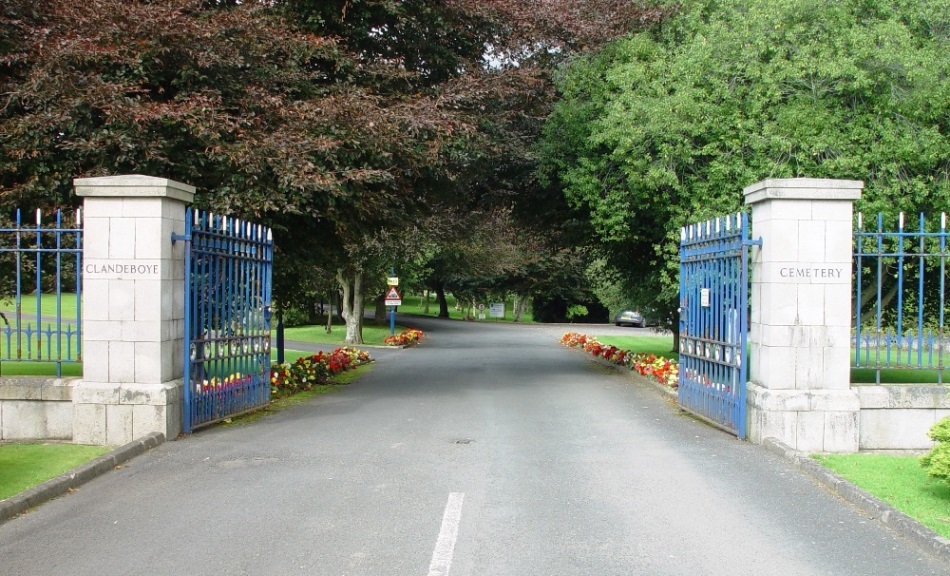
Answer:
(445, 545)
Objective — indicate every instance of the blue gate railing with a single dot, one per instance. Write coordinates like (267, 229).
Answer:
(900, 296)
(714, 296)
(228, 269)
(41, 291)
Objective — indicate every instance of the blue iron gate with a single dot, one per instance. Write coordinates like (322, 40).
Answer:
(41, 291)
(228, 267)
(714, 295)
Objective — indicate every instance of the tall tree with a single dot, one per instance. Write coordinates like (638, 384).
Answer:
(668, 126)
(337, 122)
(269, 120)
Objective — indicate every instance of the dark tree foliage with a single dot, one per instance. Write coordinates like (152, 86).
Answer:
(338, 122)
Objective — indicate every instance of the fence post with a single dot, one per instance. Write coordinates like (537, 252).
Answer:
(800, 331)
(133, 308)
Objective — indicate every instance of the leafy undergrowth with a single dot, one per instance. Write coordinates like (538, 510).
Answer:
(898, 480)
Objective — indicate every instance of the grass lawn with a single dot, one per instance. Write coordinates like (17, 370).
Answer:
(373, 335)
(897, 376)
(47, 306)
(412, 304)
(899, 481)
(23, 466)
(8, 368)
(658, 344)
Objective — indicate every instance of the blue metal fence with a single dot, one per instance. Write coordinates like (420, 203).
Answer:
(228, 270)
(40, 268)
(899, 296)
(714, 295)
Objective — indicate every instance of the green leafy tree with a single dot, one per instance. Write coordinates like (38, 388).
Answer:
(667, 126)
(339, 123)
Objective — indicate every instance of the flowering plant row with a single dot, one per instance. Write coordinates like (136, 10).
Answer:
(309, 371)
(661, 369)
(236, 380)
(408, 337)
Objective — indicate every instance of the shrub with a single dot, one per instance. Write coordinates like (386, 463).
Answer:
(937, 461)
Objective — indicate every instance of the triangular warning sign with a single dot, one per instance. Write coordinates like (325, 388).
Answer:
(393, 294)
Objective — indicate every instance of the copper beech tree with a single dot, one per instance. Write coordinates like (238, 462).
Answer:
(336, 122)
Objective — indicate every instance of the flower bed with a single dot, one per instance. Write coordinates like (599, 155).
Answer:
(408, 337)
(663, 370)
(309, 371)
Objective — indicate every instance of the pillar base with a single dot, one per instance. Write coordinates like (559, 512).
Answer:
(114, 415)
(805, 420)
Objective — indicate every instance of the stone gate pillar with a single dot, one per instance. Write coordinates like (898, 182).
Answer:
(133, 309)
(800, 330)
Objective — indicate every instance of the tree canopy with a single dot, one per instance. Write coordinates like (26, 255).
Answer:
(667, 126)
(343, 124)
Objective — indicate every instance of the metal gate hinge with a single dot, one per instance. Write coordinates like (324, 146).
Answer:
(756, 242)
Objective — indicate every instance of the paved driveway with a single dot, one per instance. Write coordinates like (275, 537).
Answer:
(487, 451)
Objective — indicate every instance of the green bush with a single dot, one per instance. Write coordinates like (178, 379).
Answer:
(576, 311)
(937, 461)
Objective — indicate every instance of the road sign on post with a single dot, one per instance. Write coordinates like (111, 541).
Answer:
(393, 298)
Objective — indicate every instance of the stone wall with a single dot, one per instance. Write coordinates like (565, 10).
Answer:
(898, 417)
(36, 408)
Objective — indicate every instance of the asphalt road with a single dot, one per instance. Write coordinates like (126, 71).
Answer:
(487, 451)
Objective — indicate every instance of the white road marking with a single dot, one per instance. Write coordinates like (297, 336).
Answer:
(445, 545)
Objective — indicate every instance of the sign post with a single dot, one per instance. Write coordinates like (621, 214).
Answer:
(393, 299)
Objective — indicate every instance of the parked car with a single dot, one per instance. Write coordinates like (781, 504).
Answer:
(638, 317)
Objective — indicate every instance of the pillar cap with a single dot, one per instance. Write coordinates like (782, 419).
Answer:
(133, 186)
(803, 189)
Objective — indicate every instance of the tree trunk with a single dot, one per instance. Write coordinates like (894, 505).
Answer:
(382, 310)
(518, 306)
(443, 303)
(352, 307)
(426, 310)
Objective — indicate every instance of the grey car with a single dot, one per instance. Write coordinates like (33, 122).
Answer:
(630, 318)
